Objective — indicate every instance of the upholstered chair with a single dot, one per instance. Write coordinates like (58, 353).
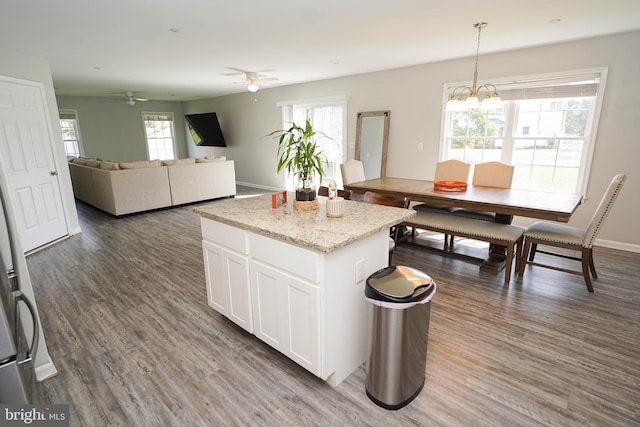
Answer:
(488, 174)
(352, 171)
(568, 237)
(452, 170)
(446, 170)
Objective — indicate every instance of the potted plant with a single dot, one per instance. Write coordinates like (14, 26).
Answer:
(300, 155)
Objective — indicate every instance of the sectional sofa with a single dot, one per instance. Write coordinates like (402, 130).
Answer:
(126, 187)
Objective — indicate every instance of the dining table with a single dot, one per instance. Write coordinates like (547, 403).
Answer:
(504, 202)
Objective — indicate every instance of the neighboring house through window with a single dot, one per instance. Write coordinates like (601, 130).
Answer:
(160, 135)
(545, 127)
(327, 115)
(71, 133)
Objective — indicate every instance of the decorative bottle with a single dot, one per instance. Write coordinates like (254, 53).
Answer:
(333, 190)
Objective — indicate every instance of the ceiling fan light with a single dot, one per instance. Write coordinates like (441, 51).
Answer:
(131, 102)
(253, 87)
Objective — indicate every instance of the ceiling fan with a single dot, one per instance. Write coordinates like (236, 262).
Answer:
(131, 98)
(253, 78)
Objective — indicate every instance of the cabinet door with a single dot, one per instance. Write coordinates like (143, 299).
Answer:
(236, 277)
(286, 314)
(228, 290)
(217, 294)
(302, 306)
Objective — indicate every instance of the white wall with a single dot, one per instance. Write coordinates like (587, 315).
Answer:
(415, 97)
(25, 67)
(112, 130)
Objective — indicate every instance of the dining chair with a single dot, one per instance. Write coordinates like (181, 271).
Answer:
(488, 174)
(446, 170)
(387, 200)
(352, 171)
(452, 170)
(323, 190)
(568, 237)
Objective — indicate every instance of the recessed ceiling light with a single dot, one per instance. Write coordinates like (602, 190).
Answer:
(555, 21)
(174, 30)
(97, 68)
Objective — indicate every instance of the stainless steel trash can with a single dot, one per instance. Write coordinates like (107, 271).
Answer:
(399, 333)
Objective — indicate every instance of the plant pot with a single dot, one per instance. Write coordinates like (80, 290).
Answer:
(305, 190)
(306, 195)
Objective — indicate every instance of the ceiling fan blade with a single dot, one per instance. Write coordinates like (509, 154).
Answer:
(237, 71)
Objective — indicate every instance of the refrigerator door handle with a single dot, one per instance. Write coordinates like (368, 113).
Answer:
(13, 279)
(19, 296)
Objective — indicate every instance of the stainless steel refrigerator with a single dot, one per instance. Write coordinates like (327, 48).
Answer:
(17, 352)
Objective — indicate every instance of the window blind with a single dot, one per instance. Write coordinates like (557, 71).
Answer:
(158, 117)
(557, 87)
(67, 115)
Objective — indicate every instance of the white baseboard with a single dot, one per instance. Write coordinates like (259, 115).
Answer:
(262, 187)
(617, 245)
(46, 371)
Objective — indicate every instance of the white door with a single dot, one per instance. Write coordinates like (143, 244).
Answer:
(27, 164)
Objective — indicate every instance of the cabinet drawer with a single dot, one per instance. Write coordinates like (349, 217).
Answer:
(224, 235)
(294, 259)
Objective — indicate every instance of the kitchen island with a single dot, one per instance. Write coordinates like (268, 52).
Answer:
(295, 279)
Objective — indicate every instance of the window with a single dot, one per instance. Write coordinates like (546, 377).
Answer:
(70, 133)
(158, 128)
(327, 115)
(545, 127)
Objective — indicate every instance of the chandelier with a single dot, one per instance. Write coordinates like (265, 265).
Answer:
(457, 100)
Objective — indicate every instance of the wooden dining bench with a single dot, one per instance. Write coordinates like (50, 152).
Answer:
(509, 236)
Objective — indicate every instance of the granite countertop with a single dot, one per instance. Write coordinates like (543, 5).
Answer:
(311, 229)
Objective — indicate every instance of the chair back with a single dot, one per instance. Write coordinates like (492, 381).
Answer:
(493, 174)
(603, 210)
(386, 200)
(452, 170)
(345, 194)
(352, 171)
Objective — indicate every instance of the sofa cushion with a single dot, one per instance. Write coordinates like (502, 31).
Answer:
(87, 162)
(110, 166)
(139, 164)
(188, 161)
(211, 159)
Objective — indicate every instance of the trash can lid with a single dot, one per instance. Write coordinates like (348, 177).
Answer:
(398, 284)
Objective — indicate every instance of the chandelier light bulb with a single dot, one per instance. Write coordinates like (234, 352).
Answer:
(472, 102)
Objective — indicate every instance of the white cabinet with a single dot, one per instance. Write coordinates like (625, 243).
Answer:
(227, 273)
(286, 314)
(307, 304)
(228, 289)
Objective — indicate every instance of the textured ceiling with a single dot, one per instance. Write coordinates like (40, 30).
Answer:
(100, 48)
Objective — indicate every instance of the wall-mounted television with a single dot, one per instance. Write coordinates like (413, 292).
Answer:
(205, 129)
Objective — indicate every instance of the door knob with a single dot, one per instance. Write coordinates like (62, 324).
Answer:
(54, 173)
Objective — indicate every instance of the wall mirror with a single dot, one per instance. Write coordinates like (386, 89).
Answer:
(372, 138)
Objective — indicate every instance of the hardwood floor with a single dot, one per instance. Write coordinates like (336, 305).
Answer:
(124, 311)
